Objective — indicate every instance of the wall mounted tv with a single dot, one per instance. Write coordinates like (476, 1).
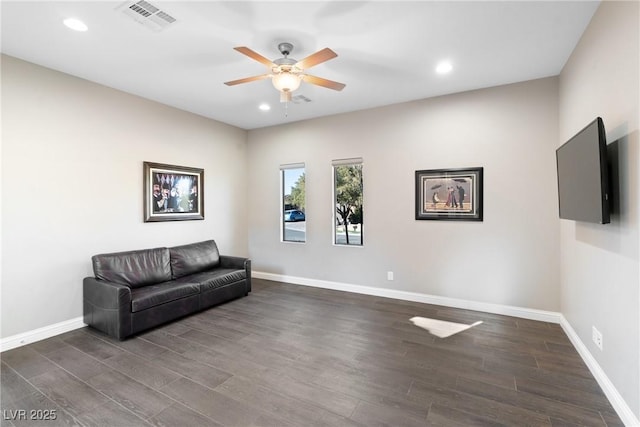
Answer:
(583, 175)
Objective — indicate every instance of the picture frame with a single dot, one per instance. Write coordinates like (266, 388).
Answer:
(438, 194)
(172, 193)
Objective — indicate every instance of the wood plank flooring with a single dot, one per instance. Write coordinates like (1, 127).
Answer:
(290, 355)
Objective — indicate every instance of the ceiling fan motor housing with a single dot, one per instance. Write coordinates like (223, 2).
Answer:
(285, 61)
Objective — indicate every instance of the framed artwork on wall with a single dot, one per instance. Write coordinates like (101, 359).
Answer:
(172, 193)
(449, 194)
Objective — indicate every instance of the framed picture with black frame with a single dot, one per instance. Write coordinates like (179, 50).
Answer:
(449, 194)
(172, 193)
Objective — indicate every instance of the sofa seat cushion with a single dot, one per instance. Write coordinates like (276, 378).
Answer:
(217, 278)
(151, 296)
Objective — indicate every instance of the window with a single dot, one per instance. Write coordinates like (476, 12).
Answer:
(347, 194)
(293, 219)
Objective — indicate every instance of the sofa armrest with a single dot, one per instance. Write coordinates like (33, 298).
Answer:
(240, 263)
(227, 261)
(107, 307)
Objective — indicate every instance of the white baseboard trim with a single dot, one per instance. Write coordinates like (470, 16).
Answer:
(39, 334)
(521, 312)
(624, 412)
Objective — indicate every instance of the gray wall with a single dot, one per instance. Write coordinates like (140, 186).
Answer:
(600, 271)
(72, 154)
(510, 258)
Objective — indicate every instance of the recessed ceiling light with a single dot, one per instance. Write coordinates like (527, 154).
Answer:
(444, 67)
(75, 24)
(264, 107)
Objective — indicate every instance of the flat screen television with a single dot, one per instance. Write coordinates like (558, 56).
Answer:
(583, 175)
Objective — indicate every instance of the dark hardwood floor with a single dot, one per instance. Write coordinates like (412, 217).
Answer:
(290, 355)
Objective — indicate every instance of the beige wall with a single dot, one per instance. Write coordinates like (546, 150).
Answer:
(72, 154)
(600, 270)
(511, 258)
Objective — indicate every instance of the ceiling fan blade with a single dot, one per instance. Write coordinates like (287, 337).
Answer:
(323, 82)
(316, 58)
(254, 55)
(247, 80)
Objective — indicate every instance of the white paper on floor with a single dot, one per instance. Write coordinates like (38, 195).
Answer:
(441, 328)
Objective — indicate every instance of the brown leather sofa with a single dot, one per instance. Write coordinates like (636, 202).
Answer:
(136, 290)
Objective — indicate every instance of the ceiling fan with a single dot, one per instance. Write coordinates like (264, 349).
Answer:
(286, 73)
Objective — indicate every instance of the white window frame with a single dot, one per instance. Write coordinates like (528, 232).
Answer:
(334, 216)
(282, 170)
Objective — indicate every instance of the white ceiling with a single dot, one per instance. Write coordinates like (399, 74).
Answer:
(387, 51)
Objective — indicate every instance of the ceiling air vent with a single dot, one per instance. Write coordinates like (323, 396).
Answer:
(300, 99)
(147, 14)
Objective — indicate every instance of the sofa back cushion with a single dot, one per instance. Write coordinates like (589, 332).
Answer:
(194, 258)
(133, 268)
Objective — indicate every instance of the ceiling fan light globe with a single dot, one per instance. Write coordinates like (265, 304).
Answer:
(286, 82)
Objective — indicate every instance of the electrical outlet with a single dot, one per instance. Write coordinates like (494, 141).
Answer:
(596, 336)
(389, 275)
